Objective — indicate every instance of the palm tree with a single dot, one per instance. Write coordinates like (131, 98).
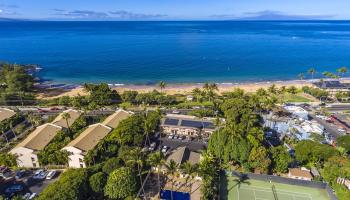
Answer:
(156, 160)
(209, 89)
(136, 158)
(197, 93)
(189, 170)
(162, 85)
(172, 167)
(147, 126)
(311, 71)
(66, 116)
(342, 71)
(301, 76)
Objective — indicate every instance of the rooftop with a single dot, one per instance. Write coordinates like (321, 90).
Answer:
(300, 173)
(60, 121)
(332, 85)
(6, 113)
(114, 119)
(90, 137)
(40, 137)
(182, 155)
(193, 123)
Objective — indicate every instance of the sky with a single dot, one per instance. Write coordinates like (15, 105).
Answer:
(174, 9)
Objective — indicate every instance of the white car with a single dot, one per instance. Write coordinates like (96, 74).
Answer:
(164, 149)
(152, 146)
(51, 174)
(40, 174)
(176, 112)
(32, 196)
(170, 136)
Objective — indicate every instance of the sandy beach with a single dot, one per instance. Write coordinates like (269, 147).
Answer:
(187, 88)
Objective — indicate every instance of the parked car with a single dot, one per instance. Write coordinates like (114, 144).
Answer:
(152, 146)
(26, 196)
(176, 112)
(171, 136)
(32, 196)
(40, 174)
(164, 149)
(51, 174)
(14, 189)
(20, 174)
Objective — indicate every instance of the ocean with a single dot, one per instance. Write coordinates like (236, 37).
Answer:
(176, 51)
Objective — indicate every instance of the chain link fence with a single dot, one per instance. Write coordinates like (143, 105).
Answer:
(279, 179)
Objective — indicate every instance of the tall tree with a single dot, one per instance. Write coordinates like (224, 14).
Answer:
(156, 160)
(312, 72)
(161, 85)
(66, 116)
(301, 76)
(341, 71)
(172, 167)
(197, 93)
(121, 184)
(136, 158)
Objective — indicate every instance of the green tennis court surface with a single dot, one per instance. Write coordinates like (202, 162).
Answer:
(233, 188)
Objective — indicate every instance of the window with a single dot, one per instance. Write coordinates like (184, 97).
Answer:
(81, 165)
(33, 159)
(34, 164)
(80, 160)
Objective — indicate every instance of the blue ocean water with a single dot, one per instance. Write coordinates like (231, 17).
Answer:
(176, 52)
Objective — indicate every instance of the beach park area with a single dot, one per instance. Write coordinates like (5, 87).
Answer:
(172, 89)
(233, 188)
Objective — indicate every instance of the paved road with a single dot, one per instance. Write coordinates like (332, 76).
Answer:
(192, 145)
(330, 128)
(338, 107)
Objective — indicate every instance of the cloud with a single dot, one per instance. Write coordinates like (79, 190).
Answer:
(122, 14)
(273, 15)
(6, 9)
(8, 6)
(81, 14)
(58, 10)
(112, 15)
(270, 14)
(7, 12)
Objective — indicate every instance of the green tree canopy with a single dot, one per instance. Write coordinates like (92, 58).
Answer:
(280, 159)
(97, 182)
(121, 184)
(344, 141)
(310, 152)
(72, 185)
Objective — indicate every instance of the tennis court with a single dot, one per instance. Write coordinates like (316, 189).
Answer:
(233, 188)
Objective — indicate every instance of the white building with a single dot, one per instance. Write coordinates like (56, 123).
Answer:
(91, 136)
(312, 127)
(187, 125)
(298, 112)
(36, 141)
(86, 141)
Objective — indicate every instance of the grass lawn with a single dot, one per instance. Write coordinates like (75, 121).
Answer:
(294, 98)
(234, 189)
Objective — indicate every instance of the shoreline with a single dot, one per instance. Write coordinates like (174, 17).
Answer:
(186, 88)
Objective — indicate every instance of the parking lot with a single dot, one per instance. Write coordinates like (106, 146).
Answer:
(28, 183)
(167, 143)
